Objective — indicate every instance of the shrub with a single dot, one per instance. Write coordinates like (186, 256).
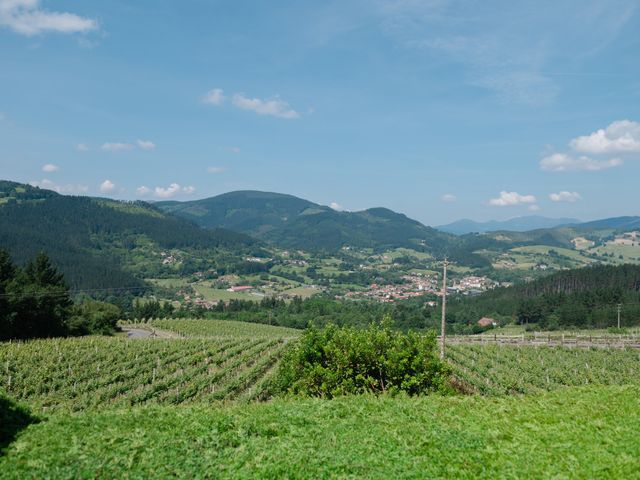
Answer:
(344, 360)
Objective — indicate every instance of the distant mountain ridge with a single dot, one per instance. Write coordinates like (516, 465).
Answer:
(518, 224)
(293, 222)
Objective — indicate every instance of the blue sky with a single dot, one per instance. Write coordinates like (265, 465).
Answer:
(440, 109)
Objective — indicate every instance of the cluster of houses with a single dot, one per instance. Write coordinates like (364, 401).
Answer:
(416, 285)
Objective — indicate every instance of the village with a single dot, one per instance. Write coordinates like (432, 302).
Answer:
(417, 285)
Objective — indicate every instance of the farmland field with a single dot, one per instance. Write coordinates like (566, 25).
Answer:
(502, 369)
(94, 372)
(572, 433)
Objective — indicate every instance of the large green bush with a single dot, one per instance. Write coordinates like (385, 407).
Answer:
(343, 360)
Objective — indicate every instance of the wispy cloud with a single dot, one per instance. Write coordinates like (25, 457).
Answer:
(275, 107)
(146, 144)
(82, 147)
(214, 97)
(562, 162)
(124, 146)
(26, 17)
(216, 170)
(511, 198)
(337, 207)
(50, 168)
(565, 196)
(508, 48)
(63, 189)
(448, 198)
(116, 146)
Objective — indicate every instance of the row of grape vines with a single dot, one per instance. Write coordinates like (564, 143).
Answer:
(503, 369)
(221, 328)
(95, 372)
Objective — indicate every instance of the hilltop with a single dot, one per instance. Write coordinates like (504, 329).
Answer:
(292, 222)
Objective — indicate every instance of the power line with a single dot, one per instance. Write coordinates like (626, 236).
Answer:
(70, 292)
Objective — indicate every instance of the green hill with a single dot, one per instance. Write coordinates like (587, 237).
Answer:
(99, 243)
(292, 222)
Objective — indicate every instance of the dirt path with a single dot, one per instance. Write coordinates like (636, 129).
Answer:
(136, 332)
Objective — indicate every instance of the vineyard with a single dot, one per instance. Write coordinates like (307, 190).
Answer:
(222, 328)
(94, 372)
(503, 369)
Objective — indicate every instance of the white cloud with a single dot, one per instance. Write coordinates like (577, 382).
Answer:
(107, 186)
(565, 196)
(28, 18)
(511, 198)
(216, 170)
(214, 97)
(448, 198)
(146, 144)
(534, 208)
(168, 192)
(50, 168)
(142, 191)
(171, 191)
(562, 162)
(82, 147)
(336, 206)
(622, 136)
(116, 146)
(234, 149)
(274, 107)
(63, 189)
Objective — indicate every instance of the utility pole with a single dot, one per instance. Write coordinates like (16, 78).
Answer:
(443, 326)
(619, 310)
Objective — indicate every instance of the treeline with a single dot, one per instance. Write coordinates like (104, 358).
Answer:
(585, 298)
(35, 303)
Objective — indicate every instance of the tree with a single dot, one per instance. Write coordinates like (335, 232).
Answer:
(7, 274)
(94, 317)
(38, 302)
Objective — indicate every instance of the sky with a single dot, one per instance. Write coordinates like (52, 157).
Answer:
(439, 109)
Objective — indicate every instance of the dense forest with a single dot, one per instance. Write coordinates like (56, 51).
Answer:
(101, 243)
(35, 303)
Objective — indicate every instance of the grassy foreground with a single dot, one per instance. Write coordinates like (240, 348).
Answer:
(586, 432)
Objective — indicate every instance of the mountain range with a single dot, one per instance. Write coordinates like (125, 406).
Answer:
(518, 224)
(101, 243)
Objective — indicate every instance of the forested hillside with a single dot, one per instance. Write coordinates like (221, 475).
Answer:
(585, 297)
(99, 243)
(290, 222)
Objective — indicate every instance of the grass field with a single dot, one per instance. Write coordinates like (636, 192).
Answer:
(221, 294)
(574, 433)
